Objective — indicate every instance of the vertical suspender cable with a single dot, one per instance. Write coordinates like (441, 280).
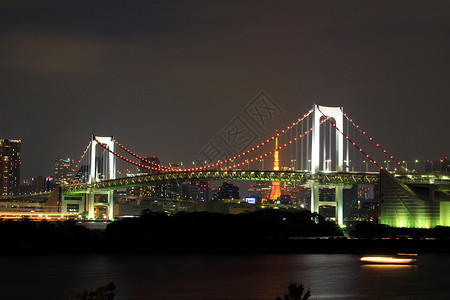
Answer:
(347, 154)
(329, 147)
(307, 145)
(301, 146)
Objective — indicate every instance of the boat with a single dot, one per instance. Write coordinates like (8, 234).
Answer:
(388, 260)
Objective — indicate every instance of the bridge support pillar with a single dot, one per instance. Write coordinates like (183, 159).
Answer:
(91, 201)
(110, 205)
(314, 197)
(339, 190)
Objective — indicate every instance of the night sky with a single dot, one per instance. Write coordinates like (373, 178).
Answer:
(166, 77)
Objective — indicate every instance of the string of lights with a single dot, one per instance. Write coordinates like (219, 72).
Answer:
(272, 151)
(128, 160)
(81, 158)
(351, 141)
(142, 158)
(385, 152)
(248, 161)
(230, 159)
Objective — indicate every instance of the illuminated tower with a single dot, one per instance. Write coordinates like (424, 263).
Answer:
(275, 193)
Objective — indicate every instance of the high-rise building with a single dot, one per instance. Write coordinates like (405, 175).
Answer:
(63, 170)
(9, 166)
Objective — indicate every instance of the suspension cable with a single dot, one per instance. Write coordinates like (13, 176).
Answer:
(300, 136)
(353, 143)
(126, 159)
(230, 159)
(78, 163)
(375, 143)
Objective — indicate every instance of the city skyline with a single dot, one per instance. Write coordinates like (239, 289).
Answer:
(162, 78)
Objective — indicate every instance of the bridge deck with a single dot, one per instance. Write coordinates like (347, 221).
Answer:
(256, 175)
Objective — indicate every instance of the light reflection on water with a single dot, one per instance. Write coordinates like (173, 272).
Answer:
(386, 266)
(202, 276)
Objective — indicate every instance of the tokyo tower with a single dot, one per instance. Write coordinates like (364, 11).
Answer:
(275, 193)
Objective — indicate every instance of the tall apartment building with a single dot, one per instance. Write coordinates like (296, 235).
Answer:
(9, 166)
(63, 170)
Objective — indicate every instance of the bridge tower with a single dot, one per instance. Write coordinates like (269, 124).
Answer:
(109, 172)
(337, 114)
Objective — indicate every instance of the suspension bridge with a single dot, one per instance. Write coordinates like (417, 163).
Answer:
(322, 148)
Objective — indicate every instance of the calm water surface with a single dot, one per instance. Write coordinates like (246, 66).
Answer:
(203, 276)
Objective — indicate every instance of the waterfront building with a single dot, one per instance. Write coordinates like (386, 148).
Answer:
(9, 166)
(419, 204)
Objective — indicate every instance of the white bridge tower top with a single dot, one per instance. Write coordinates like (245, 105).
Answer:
(337, 113)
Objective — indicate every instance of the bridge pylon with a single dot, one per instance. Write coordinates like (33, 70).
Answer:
(107, 164)
(320, 165)
(337, 114)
